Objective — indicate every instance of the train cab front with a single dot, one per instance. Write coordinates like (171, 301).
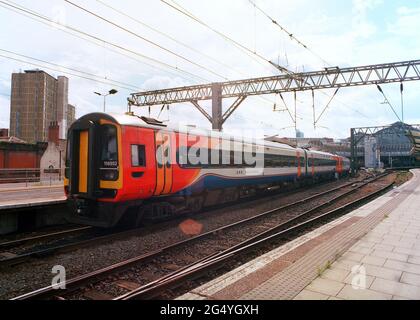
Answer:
(93, 176)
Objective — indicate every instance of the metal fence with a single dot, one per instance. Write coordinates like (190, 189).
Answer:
(41, 176)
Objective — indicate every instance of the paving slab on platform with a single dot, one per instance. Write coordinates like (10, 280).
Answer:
(30, 197)
(370, 253)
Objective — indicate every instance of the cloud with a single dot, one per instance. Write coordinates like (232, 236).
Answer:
(344, 34)
(161, 82)
(362, 26)
(407, 23)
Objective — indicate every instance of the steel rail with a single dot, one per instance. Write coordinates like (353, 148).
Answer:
(216, 261)
(18, 242)
(64, 248)
(96, 240)
(77, 282)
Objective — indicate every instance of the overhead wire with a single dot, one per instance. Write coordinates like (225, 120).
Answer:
(136, 21)
(142, 23)
(144, 39)
(108, 80)
(326, 107)
(118, 25)
(286, 108)
(245, 49)
(95, 38)
(388, 102)
(402, 101)
(292, 37)
(178, 42)
(96, 42)
(65, 72)
(225, 65)
(12, 5)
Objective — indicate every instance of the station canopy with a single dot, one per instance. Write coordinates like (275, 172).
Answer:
(413, 134)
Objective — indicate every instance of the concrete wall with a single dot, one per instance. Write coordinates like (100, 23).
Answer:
(62, 105)
(51, 157)
(8, 223)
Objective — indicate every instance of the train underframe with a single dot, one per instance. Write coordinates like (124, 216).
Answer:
(138, 212)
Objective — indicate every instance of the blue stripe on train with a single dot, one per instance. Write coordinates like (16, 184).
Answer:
(210, 182)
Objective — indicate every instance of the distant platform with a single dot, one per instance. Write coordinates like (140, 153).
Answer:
(370, 253)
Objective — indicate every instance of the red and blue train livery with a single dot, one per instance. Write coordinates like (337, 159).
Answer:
(129, 168)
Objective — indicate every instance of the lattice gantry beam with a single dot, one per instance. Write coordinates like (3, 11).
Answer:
(324, 79)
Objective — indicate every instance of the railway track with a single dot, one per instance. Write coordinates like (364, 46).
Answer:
(16, 256)
(216, 261)
(171, 265)
(61, 245)
(42, 237)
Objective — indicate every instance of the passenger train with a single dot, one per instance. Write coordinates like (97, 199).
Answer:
(126, 168)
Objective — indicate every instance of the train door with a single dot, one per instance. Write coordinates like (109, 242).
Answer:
(83, 161)
(299, 164)
(339, 167)
(306, 162)
(82, 169)
(163, 163)
(167, 152)
(313, 164)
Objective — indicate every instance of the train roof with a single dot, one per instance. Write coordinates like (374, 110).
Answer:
(322, 153)
(136, 121)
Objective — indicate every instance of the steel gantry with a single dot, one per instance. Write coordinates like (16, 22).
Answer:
(240, 89)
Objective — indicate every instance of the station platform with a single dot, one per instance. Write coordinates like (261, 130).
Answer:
(371, 253)
(30, 206)
(20, 196)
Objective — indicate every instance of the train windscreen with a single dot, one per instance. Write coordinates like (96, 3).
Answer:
(109, 153)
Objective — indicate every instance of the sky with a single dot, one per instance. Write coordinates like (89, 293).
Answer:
(340, 33)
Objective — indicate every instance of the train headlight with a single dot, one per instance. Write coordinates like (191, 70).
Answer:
(109, 175)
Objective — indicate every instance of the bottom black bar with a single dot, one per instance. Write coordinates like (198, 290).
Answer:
(207, 309)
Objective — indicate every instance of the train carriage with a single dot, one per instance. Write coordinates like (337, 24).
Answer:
(128, 167)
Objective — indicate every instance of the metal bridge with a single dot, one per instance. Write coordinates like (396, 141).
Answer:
(240, 89)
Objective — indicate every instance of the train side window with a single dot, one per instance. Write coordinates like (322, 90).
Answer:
(167, 154)
(182, 156)
(138, 155)
(224, 157)
(159, 155)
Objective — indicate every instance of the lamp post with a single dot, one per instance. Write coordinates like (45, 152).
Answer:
(112, 91)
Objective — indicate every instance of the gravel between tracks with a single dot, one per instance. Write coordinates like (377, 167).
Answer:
(37, 273)
(184, 255)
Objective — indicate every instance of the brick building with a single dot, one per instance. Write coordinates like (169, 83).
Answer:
(37, 99)
(4, 133)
